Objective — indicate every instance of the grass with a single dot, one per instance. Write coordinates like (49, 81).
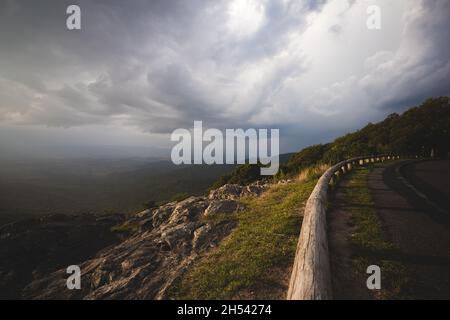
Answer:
(370, 240)
(264, 240)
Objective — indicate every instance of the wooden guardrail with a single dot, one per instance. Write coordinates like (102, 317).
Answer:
(311, 278)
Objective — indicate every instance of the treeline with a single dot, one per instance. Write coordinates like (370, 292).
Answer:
(422, 131)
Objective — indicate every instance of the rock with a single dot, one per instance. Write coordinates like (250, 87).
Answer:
(253, 190)
(188, 210)
(145, 224)
(33, 248)
(234, 191)
(168, 240)
(223, 206)
(162, 214)
(143, 213)
(285, 181)
(226, 192)
(200, 237)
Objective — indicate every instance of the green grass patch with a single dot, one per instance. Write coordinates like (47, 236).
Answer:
(265, 238)
(370, 240)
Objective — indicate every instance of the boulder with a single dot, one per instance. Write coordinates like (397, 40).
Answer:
(223, 207)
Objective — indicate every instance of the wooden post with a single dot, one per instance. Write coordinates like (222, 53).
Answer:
(332, 181)
(311, 276)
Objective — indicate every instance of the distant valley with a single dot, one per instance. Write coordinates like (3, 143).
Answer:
(72, 186)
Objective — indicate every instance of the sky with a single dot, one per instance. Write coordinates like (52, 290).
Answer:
(137, 70)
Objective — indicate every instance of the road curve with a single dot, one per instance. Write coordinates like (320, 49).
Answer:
(409, 198)
(431, 179)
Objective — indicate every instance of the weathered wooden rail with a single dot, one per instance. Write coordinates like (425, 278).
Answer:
(311, 277)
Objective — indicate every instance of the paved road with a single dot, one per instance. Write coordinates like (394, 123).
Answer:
(432, 179)
(410, 199)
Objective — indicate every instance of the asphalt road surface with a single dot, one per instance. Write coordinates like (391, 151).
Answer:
(412, 200)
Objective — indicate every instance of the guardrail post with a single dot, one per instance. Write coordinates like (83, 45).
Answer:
(337, 174)
(332, 181)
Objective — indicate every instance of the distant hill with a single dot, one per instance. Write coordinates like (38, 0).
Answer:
(419, 131)
(119, 186)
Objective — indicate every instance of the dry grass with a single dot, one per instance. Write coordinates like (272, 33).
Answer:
(312, 172)
(254, 261)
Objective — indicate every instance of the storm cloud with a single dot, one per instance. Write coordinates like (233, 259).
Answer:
(310, 68)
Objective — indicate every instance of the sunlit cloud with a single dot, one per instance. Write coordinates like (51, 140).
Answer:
(310, 68)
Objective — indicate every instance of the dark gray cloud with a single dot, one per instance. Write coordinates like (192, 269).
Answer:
(159, 65)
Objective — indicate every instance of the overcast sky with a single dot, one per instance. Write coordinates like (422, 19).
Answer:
(137, 70)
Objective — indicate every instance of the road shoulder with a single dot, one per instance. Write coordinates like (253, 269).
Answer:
(423, 242)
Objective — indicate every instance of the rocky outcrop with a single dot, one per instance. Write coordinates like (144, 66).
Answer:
(33, 248)
(235, 191)
(167, 241)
